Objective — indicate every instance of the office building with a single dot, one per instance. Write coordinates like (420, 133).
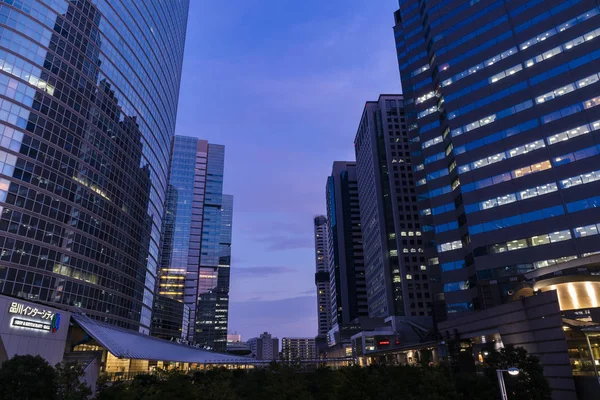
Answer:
(265, 347)
(345, 245)
(86, 130)
(396, 272)
(322, 275)
(295, 349)
(504, 121)
(196, 242)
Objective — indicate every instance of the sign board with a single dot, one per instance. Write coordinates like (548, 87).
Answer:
(35, 318)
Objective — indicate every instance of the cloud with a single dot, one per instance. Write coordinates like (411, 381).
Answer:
(260, 272)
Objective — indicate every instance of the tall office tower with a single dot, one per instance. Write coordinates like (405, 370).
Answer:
(345, 247)
(396, 275)
(322, 275)
(87, 116)
(196, 242)
(501, 111)
(294, 349)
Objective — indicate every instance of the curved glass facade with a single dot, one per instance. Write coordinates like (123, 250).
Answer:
(88, 102)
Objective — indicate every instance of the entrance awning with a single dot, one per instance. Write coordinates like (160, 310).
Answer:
(123, 343)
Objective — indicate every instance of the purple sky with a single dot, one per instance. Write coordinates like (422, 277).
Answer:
(282, 85)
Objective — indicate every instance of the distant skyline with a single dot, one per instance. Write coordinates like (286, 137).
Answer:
(284, 92)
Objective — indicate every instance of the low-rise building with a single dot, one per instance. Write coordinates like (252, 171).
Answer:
(295, 349)
(265, 347)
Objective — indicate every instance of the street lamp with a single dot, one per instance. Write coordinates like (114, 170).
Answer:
(512, 371)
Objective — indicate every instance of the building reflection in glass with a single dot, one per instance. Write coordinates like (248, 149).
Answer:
(86, 124)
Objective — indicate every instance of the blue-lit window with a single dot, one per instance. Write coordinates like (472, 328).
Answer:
(517, 220)
(435, 157)
(545, 15)
(452, 266)
(459, 307)
(584, 204)
(456, 286)
(446, 227)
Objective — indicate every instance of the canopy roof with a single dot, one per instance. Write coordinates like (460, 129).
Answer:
(124, 343)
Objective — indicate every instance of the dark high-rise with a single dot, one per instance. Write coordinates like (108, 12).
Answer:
(345, 247)
(195, 262)
(89, 102)
(396, 274)
(502, 115)
(322, 275)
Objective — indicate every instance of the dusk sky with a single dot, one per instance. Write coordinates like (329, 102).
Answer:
(282, 85)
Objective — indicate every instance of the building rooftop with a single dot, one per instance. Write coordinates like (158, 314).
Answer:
(122, 343)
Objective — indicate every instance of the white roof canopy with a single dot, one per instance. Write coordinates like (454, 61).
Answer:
(123, 343)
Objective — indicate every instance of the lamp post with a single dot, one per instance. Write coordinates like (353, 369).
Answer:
(512, 371)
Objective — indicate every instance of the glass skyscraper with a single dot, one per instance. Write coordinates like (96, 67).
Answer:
(89, 93)
(196, 245)
(502, 115)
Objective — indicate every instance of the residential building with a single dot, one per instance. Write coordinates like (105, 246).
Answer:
(322, 275)
(265, 347)
(395, 269)
(86, 131)
(295, 349)
(345, 245)
(196, 241)
(234, 338)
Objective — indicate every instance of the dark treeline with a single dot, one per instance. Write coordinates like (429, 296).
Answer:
(282, 382)
(32, 378)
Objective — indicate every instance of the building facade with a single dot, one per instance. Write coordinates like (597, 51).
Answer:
(345, 245)
(396, 272)
(504, 127)
(89, 111)
(322, 275)
(196, 242)
(265, 347)
(295, 349)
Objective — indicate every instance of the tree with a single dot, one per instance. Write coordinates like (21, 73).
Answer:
(27, 378)
(530, 384)
(69, 385)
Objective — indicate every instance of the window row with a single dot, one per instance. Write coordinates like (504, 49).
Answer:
(492, 118)
(511, 198)
(472, 35)
(538, 144)
(455, 245)
(507, 176)
(557, 10)
(452, 265)
(517, 151)
(560, 28)
(515, 220)
(498, 136)
(456, 286)
(585, 204)
(478, 67)
(439, 210)
(571, 87)
(533, 241)
(431, 142)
